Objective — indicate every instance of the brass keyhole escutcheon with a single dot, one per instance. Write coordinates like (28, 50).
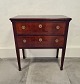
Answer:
(24, 40)
(23, 27)
(40, 39)
(40, 25)
(57, 27)
(56, 40)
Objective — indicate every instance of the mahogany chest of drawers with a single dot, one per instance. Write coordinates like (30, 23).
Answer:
(40, 32)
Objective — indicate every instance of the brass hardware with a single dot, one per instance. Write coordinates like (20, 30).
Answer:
(24, 40)
(40, 25)
(23, 27)
(56, 40)
(57, 27)
(40, 39)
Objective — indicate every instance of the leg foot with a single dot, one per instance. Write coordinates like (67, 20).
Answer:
(19, 69)
(61, 68)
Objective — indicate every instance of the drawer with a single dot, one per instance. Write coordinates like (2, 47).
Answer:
(40, 28)
(40, 41)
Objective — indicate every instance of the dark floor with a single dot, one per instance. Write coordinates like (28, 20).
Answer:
(40, 71)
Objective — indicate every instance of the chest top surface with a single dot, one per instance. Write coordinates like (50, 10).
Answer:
(41, 17)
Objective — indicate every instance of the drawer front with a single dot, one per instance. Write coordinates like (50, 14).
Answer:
(40, 28)
(40, 41)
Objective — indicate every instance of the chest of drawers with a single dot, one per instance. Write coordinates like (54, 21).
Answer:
(40, 32)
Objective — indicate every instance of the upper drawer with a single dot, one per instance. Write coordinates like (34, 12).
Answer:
(40, 28)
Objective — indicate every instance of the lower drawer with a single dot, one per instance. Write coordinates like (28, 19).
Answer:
(40, 41)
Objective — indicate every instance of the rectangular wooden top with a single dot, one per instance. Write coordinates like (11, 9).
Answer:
(40, 17)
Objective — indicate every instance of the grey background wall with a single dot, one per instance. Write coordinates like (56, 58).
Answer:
(10, 8)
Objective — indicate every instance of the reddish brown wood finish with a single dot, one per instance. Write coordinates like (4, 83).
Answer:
(40, 32)
(34, 41)
(48, 28)
(40, 18)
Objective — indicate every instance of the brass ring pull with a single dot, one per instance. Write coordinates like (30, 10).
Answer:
(23, 27)
(56, 40)
(57, 27)
(40, 39)
(24, 40)
(40, 25)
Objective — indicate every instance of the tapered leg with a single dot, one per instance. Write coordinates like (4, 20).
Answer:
(57, 53)
(23, 51)
(62, 58)
(18, 58)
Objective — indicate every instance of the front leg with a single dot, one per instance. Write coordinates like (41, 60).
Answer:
(18, 58)
(62, 58)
